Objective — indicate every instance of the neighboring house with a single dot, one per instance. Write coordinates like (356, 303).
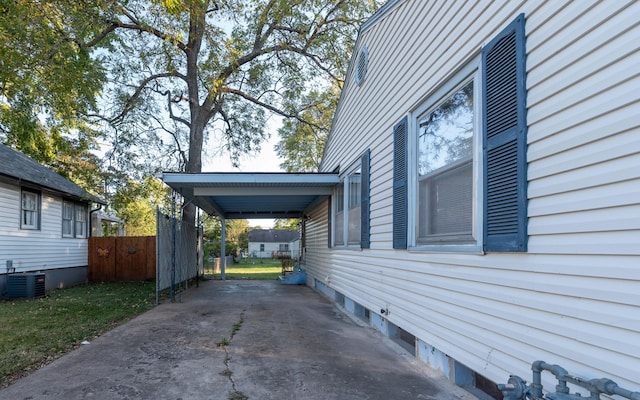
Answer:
(490, 205)
(265, 243)
(44, 222)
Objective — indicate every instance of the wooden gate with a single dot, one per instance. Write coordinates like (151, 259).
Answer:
(122, 258)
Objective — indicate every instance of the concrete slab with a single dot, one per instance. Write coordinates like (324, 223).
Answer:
(237, 340)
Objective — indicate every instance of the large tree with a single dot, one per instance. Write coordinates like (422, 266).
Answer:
(184, 70)
(48, 83)
(178, 72)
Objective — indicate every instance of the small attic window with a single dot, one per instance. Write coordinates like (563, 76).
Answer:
(361, 65)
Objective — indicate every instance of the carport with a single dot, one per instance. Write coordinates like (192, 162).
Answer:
(253, 195)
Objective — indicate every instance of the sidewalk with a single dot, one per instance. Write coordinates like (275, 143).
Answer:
(233, 340)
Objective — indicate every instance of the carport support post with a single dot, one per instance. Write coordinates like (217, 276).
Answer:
(223, 248)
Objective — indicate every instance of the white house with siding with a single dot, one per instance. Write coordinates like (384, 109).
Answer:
(44, 222)
(498, 145)
(265, 243)
(479, 195)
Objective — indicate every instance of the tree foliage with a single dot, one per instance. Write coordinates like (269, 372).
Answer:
(46, 76)
(217, 70)
(302, 143)
(169, 79)
(236, 239)
(49, 82)
(286, 224)
(136, 205)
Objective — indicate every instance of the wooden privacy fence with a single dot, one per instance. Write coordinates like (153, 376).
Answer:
(122, 258)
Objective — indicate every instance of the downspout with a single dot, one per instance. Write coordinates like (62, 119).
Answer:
(91, 219)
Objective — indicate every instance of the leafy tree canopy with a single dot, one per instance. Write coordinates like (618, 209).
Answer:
(237, 235)
(302, 142)
(136, 204)
(169, 79)
(286, 224)
(48, 78)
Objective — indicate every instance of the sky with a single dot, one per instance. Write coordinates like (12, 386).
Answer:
(264, 161)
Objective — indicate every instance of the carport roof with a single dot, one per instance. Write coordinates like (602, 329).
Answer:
(253, 194)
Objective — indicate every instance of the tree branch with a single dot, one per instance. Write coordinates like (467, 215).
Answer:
(129, 104)
(269, 107)
(137, 25)
(174, 134)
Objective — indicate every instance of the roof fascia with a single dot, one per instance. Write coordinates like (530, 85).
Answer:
(244, 178)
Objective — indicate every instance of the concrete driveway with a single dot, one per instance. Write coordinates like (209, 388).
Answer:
(233, 340)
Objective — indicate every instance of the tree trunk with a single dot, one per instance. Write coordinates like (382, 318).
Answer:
(199, 116)
(194, 165)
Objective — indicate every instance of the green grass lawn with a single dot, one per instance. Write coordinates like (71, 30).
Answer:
(253, 268)
(37, 331)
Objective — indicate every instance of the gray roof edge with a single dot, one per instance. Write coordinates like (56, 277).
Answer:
(382, 12)
(21, 168)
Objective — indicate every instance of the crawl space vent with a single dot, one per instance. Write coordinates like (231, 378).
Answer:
(361, 65)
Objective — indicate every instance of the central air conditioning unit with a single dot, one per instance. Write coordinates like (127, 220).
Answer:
(28, 285)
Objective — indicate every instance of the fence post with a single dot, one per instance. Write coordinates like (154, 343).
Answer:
(173, 246)
(157, 255)
(223, 249)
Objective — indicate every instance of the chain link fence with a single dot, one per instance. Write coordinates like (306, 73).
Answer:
(179, 257)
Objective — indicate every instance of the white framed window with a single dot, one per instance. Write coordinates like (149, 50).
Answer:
(446, 165)
(427, 197)
(30, 210)
(338, 218)
(347, 220)
(354, 181)
(67, 219)
(74, 220)
(81, 221)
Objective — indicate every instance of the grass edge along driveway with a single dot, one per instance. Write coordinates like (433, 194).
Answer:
(35, 332)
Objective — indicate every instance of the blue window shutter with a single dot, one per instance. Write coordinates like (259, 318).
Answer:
(400, 184)
(329, 233)
(505, 140)
(365, 167)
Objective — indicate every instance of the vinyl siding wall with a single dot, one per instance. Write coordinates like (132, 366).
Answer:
(36, 250)
(574, 298)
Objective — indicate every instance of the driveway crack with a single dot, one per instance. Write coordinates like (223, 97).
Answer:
(235, 393)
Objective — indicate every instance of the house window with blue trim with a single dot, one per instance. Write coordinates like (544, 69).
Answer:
(445, 165)
(460, 165)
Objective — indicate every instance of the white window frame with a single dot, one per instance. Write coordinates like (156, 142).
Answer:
(35, 225)
(471, 71)
(344, 184)
(78, 221)
(80, 225)
(70, 220)
(338, 216)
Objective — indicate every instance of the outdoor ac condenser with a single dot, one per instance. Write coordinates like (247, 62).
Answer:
(25, 285)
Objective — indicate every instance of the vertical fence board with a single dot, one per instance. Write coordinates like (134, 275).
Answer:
(122, 259)
(102, 259)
